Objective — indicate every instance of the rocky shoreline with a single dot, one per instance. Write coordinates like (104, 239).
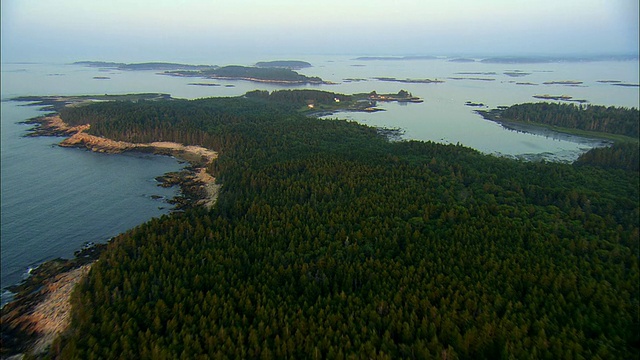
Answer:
(197, 186)
(41, 307)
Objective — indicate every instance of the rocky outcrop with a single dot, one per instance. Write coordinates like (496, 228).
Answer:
(41, 309)
(96, 143)
(51, 317)
(54, 126)
(198, 186)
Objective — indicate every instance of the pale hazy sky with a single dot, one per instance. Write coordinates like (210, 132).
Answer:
(174, 30)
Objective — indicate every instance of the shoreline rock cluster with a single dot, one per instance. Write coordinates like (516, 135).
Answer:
(41, 308)
(197, 186)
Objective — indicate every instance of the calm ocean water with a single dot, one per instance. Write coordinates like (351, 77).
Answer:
(55, 199)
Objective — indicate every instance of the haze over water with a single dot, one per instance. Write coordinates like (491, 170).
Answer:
(196, 30)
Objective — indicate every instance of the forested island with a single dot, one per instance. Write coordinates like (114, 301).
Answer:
(556, 97)
(395, 58)
(276, 75)
(162, 66)
(516, 73)
(472, 78)
(279, 72)
(596, 119)
(462, 60)
(620, 125)
(563, 82)
(626, 85)
(287, 64)
(409, 81)
(330, 241)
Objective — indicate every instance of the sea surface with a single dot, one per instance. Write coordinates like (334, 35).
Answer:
(56, 199)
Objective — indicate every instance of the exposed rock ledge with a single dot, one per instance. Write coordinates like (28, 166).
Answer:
(96, 143)
(51, 316)
(200, 157)
(39, 317)
(41, 310)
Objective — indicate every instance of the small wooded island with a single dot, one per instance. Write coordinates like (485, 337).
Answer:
(276, 75)
(395, 58)
(277, 72)
(286, 64)
(619, 124)
(328, 240)
(159, 66)
(409, 81)
(560, 98)
(563, 82)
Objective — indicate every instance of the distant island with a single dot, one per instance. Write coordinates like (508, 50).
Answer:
(518, 60)
(462, 60)
(516, 73)
(285, 64)
(409, 81)
(614, 123)
(354, 80)
(472, 78)
(563, 82)
(277, 72)
(158, 66)
(203, 84)
(477, 73)
(617, 83)
(274, 75)
(554, 59)
(626, 85)
(396, 58)
(559, 97)
(474, 104)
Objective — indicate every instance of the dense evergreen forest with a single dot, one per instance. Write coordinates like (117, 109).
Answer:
(329, 241)
(612, 120)
(299, 97)
(621, 155)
